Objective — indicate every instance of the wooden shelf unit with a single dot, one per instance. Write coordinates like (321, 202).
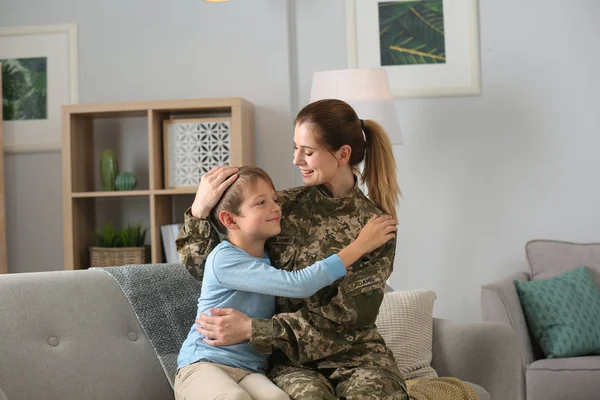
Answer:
(81, 168)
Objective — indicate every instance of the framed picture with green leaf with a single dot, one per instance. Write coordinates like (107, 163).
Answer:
(429, 48)
(39, 75)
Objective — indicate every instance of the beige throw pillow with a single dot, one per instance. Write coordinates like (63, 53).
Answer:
(405, 321)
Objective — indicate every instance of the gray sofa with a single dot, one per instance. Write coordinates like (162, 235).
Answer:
(574, 378)
(72, 335)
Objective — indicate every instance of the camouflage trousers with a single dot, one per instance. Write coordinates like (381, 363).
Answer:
(361, 383)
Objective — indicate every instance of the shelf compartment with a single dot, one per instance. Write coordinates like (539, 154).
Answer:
(91, 214)
(166, 209)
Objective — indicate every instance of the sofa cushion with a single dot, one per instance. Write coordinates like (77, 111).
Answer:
(563, 313)
(564, 378)
(405, 321)
(548, 258)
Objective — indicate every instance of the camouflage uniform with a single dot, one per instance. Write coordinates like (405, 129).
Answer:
(325, 346)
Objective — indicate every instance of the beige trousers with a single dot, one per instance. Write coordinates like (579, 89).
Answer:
(210, 381)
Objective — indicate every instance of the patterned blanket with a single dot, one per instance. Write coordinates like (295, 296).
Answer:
(440, 389)
(164, 298)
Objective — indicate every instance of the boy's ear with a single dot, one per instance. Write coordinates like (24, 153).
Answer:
(227, 220)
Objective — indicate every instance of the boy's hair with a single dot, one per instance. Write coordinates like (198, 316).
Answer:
(233, 197)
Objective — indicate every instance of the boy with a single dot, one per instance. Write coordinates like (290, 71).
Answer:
(238, 274)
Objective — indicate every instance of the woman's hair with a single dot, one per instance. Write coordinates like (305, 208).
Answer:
(337, 125)
(233, 197)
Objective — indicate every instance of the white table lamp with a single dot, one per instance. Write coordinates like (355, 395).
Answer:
(366, 90)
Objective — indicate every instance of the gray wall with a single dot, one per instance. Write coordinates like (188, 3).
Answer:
(481, 175)
(146, 50)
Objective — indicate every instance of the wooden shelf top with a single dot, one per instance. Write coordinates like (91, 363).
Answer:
(133, 193)
(116, 193)
(185, 190)
(135, 108)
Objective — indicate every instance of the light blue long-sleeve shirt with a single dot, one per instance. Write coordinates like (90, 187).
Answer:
(235, 279)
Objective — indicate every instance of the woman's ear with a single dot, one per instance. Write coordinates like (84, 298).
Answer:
(227, 220)
(343, 154)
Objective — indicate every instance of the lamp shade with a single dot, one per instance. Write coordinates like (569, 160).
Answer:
(366, 90)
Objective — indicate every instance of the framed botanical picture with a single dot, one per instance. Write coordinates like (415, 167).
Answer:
(39, 71)
(429, 48)
(192, 147)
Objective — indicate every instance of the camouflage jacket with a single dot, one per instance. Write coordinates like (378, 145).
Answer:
(336, 326)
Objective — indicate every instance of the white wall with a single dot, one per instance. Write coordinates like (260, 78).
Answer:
(483, 175)
(145, 50)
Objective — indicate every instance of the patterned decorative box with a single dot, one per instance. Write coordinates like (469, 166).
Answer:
(193, 147)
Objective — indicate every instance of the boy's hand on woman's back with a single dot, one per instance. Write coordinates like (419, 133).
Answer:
(373, 235)
(377, 232)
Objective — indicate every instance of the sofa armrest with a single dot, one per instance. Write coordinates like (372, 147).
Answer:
(483, 353)
(500, 303)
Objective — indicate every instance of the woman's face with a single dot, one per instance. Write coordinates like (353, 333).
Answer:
(317, 164)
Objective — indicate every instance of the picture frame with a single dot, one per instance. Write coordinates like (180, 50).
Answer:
(41, 71)
(425, 54)
(192, 147)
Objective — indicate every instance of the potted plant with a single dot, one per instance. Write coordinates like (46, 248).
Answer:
(116, 247)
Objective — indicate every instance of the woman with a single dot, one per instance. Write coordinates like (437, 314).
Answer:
(325, 346)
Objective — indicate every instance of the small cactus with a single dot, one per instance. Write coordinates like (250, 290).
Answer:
(125, 181)
(109, 169)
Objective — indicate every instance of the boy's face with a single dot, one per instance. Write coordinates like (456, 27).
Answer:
(260, 214)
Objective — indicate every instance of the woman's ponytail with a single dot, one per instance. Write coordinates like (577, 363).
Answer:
(379, 173)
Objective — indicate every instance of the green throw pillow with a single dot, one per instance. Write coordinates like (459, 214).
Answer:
(563, 313)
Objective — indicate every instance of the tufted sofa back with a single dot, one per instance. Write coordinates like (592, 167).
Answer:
(70, 335)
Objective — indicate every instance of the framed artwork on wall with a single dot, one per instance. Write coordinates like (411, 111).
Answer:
(39, 70)
(192, 147)
(429, 48)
